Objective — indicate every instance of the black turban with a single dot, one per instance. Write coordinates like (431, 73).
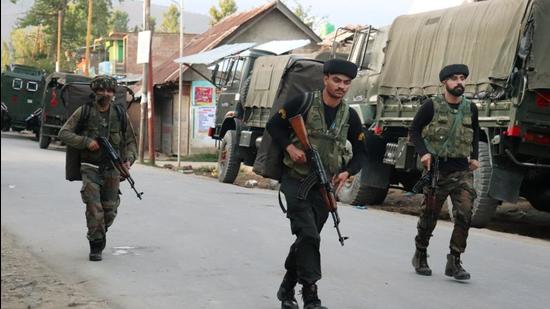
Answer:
(339, 66)
(453, 69)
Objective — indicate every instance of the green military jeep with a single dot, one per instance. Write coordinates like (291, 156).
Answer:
(22, 88)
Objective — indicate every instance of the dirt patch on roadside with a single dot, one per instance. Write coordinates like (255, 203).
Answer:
(28, 283)
(520, 218)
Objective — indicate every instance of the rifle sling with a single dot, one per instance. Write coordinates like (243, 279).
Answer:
(281, 202)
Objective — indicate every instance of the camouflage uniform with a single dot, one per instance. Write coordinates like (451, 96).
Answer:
(100, 180)
(459, 186)
(456, 184)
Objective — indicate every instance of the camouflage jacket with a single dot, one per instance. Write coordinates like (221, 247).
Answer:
(93, 126)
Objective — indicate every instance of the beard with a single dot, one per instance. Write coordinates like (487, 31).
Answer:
(456, 91)
(337, 93)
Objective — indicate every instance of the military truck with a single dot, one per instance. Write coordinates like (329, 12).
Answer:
(22, 88)
(274, 79)
(64, 93)
(509, 83)
(54, 110)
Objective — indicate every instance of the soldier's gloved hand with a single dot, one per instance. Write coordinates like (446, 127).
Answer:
(426, 161)
(473, 165)
(297, 155)
(93, 145)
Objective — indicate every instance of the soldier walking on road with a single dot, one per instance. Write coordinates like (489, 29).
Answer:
(329, 122)
(446, 129)
(100, 117)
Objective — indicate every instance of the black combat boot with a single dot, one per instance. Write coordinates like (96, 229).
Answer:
(286, 292)
(95, 249)
(103, 242)
(420, 263)
(454, 268)
(311, 300)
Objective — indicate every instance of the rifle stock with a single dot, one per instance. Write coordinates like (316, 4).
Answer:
(314, 159)
(299, 127)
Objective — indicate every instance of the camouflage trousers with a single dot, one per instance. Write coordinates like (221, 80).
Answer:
(100, 194)
(459, 186)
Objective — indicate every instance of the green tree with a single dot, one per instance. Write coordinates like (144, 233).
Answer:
(74, 16)
(227, 7)
(30, 54)
(304, 13)
(170, 20)
(119, 21)
(5, 55)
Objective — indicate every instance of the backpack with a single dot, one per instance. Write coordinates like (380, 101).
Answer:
(72, 158)
(269, 160)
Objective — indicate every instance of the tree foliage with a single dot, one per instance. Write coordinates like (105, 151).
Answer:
(44, 13)
(304, 13)
(119, 21)
(226, 8)
(170, 20)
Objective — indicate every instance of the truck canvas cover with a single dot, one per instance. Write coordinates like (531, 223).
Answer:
(483, 35)
(75, 94)
(539, 77)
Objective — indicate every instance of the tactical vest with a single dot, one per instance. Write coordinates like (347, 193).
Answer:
(330, 142)
(93, 125)
(450, 134)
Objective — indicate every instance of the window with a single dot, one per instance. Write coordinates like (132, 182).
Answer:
(32, 86)
(17, 84)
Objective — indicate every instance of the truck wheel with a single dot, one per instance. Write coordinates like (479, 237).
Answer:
(484, 206)
(539, 197)
(43, 141)
(355, 193)
(228, 163)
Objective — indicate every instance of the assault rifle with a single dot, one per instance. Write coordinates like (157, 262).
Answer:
(429, 179)
(314, 159)
(117, 162)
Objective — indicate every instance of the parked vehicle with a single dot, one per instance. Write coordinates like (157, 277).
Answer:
(64, 93)
(272, 81)
(510, 83)
(54, 111)
(22, 88)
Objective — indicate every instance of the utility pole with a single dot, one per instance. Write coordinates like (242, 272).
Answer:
(58, 57)
(180, 84)
(144, 84)
(151, 115)
(88, 38)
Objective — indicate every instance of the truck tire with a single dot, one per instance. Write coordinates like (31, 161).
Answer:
(539, 197)
(355, 193)
(228, 163)
(484, 206)
(43, 141)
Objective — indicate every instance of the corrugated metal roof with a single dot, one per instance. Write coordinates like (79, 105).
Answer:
(215, 54)
(281, 47)
(215, 36)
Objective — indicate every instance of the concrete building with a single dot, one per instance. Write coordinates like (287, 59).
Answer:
(272, 21)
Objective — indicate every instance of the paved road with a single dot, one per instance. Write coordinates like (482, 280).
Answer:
(195, 243)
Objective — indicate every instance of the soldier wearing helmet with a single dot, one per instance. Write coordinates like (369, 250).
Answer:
(100, 116)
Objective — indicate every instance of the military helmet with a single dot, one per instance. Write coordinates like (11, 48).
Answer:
(103, 82)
